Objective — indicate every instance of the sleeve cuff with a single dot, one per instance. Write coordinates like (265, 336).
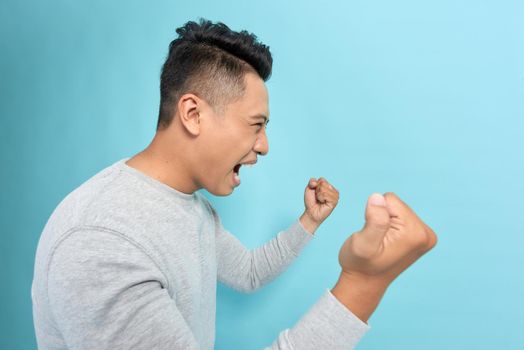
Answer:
(296, 237)
(328, 325)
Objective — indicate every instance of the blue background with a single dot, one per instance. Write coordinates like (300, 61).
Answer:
(422, 98)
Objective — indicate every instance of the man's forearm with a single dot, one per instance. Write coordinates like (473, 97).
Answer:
(361, 295)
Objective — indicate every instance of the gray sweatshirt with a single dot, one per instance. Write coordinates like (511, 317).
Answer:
(127, 262)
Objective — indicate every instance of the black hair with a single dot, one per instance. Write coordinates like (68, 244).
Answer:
(209, 60)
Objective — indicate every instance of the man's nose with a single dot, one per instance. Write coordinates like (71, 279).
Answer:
(262, 145)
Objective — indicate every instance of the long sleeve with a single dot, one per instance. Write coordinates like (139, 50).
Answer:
(247, 270)
(327, 325)
(106, 293)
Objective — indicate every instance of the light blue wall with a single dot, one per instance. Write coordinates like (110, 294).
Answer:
(423, 98)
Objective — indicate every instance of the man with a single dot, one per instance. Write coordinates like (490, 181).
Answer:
(131, 258)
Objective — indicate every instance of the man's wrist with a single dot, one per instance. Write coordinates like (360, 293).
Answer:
(360, 294)
(308, 223)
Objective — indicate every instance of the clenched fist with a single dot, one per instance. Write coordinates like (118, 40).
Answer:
(392, 239)
(320, 198)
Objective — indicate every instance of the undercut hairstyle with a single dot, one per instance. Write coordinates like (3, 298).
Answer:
(209, 60)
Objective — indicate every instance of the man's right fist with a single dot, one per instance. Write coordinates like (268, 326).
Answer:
(392, 238)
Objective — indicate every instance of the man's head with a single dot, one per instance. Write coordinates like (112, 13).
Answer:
(212, 87)
(210, 60)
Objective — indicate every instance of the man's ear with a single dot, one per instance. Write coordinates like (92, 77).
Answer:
(189, 106)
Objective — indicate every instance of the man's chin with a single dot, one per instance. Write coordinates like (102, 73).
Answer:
(221, 192)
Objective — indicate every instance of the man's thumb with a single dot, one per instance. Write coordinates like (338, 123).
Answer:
(377, 219)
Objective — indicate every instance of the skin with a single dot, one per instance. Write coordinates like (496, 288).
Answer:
(200, 148)
(392, 239)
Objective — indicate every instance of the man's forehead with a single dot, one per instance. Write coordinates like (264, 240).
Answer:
(253, 104)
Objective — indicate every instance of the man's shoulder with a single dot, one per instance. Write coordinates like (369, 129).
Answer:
(88, 191)
(72, 208)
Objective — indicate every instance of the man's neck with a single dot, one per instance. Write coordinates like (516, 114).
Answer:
(170, 170)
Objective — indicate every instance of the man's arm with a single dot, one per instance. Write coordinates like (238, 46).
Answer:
(328, 324)
(106, 293)
(359, 295)
(392, 239)
(247, 270)
(338, 320)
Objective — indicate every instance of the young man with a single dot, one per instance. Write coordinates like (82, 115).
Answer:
(131, 258)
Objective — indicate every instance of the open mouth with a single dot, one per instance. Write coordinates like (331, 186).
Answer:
(236, 176)
(236, 169)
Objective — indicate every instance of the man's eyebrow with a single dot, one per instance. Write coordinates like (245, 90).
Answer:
(260, 116)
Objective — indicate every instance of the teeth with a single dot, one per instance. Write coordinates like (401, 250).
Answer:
(249, 165)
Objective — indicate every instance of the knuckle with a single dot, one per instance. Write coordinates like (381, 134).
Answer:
(432, 238)
(422, 238)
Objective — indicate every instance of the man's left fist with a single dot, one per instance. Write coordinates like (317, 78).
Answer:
(320, 198)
